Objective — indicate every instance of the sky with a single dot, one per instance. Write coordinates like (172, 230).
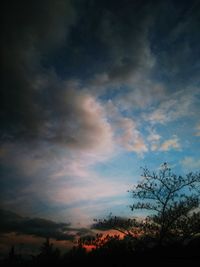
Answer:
(91, 91)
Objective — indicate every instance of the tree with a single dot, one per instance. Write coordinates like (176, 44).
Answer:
(126, 226)
(172, 202)
(48, 253)
(171, 199)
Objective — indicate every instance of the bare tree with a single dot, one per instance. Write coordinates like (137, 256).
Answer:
(169, 198)
(171, 202)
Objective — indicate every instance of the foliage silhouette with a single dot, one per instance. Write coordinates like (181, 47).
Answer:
(48, 255)
(172, 202)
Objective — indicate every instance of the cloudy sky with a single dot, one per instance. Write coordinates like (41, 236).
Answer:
(91, 91)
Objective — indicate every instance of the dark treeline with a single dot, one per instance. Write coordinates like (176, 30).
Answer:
(111, 251)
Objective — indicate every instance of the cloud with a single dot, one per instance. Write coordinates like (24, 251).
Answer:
(175, 106)
(47, 42)
(130, 138)
(80, 122)
(190, 163)
(31, 33)
(120, 42)
(53, 181)
(12, 222)
(198, 130)
(27, 234)
(82, 192)
(156, 144)
(38, 35)
(172, 143)
(127, 40)
(125, 129)
(177, 46)
(153, 137)
(141, 94)
(38, 105)
(144, 48)
(77, 121)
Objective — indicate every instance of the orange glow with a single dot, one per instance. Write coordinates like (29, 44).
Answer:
(89, 247)
(113, 233)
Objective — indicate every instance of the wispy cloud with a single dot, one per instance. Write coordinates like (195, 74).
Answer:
(190, 163)
(153, 136)
(59, 177)
(169, 144)
(126, 130)
(197, 130)
(141, 94)
(153, 139)
(178, 105)
(130, 138)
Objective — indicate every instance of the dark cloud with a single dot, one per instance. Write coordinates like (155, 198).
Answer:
(113, 38)
(31, 31)
(46, 43)
(36, 103)
(175, 43)
(12, 222)
(41, 40)
(126, 37)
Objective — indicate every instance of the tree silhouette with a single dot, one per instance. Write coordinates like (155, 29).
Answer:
(48, 253)
(171, 199)
(12, 252)
(172, 202)
(126, 226)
